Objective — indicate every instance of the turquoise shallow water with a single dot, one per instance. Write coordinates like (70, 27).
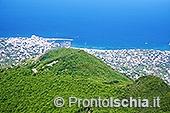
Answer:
(162, 48)
(111, 24)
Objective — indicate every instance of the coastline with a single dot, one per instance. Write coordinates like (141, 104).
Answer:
(163, 47)
(134, 62)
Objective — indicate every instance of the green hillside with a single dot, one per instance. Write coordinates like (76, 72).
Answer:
(69, 72)
(79, 63)
(149, 87)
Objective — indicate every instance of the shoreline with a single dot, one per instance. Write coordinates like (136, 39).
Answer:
(106, 49)
(162, 47)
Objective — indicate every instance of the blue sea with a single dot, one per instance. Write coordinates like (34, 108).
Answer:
(103, 24)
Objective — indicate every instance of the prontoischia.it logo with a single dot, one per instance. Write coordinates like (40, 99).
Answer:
(60, 102)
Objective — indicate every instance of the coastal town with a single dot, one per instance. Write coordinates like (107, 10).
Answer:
(15, 49)
(134, 63)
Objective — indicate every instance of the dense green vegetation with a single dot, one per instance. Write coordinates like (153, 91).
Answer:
(149, 87)
(78, 74)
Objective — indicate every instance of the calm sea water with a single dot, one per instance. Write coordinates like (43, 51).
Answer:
(104, 24)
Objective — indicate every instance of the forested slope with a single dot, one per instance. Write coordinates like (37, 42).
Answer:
(69, 72)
